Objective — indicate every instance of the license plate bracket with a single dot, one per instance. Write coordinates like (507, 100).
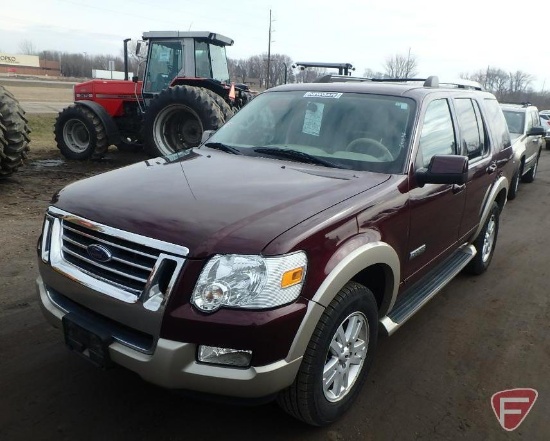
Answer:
(88, 339)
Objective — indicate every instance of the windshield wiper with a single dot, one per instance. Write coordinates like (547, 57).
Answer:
(223, 147)
(297, 155)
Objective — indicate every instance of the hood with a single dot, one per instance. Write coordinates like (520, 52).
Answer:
(212, 202)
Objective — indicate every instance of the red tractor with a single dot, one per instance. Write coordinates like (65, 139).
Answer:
(185, 90)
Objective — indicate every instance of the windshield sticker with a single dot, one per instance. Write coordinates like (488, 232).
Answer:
(335, 95)
(312, 119)
(164, 56)
(402, 106)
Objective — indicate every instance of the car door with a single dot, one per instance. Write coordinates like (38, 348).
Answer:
(533, 143)
(435, 209)
(482, 167)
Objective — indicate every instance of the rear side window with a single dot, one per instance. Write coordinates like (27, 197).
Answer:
(471, 127)
(497, 122)
(438, 135)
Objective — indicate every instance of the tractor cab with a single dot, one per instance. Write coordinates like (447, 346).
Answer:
(187, 56)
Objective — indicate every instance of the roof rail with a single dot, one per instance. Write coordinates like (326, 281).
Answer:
(522, 104)
(431, 81)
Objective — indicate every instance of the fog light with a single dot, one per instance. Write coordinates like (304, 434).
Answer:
(226, 356)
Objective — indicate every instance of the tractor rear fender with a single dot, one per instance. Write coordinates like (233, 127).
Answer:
(111, 129)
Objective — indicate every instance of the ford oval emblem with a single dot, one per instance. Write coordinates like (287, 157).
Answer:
(99, 252)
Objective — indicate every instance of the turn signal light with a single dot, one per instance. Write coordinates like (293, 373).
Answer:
(292, 277)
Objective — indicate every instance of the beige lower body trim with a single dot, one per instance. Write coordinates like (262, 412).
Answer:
(173, 365)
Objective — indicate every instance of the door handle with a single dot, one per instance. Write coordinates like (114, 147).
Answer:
(492, 167)
(457, 188)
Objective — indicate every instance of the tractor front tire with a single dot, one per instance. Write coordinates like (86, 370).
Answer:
(14, 133)
(177, 118)
(79, 133)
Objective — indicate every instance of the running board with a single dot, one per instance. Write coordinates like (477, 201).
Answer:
(417, 296)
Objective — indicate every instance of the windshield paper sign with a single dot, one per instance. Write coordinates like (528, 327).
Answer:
(323, 95)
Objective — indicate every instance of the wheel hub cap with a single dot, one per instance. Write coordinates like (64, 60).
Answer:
(346, 356)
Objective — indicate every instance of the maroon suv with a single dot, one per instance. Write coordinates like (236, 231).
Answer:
(264, 263)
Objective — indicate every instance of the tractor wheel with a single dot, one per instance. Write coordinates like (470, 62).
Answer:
(176, 119)
(79, 133)
(225, 108)
(14, 133)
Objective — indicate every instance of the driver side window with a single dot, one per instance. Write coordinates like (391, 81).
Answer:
(438, 135)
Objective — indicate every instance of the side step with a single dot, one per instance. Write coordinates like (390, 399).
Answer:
(409, 302)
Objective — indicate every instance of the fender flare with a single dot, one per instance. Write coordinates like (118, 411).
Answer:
(352, 264)
(111, 129)
(501, 184)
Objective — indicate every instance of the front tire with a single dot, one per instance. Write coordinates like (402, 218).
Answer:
(485, 243)
(176, 119)
(337, 359)
(79, 133)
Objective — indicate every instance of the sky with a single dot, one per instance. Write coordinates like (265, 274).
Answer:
(446, 38)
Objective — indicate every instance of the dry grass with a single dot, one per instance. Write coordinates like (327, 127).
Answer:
(41, 125)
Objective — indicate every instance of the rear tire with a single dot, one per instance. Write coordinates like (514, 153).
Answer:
(485, 243)
(14, 133)
(79, 133)
(225, 108)
(176, 119)
(337, 359)
(514, 185)
(532, 173)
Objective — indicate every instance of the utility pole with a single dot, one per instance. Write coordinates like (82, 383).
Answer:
(268, 53)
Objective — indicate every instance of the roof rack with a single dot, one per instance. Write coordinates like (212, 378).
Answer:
(523, 104)
(431, 81)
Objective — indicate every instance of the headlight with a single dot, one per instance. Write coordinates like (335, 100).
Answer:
(251, 282)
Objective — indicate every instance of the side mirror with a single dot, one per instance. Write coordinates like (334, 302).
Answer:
(444, 169)
(138, 47)
(206, 134)
(536, 131)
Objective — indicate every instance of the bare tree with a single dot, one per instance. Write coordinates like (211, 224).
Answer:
(519, 81)
(401, 66)
(27, 47)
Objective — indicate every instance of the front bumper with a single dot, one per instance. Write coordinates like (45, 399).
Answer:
(173, 364)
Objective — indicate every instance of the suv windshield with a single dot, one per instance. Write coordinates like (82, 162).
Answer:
(348, 130)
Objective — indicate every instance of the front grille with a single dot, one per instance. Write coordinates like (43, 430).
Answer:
(120, 264)
(130, 264)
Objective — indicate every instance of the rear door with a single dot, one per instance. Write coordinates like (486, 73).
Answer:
(482, 167)
(532, 143)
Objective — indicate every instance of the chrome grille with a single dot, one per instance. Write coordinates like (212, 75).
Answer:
(130, 264)
(114, 262)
